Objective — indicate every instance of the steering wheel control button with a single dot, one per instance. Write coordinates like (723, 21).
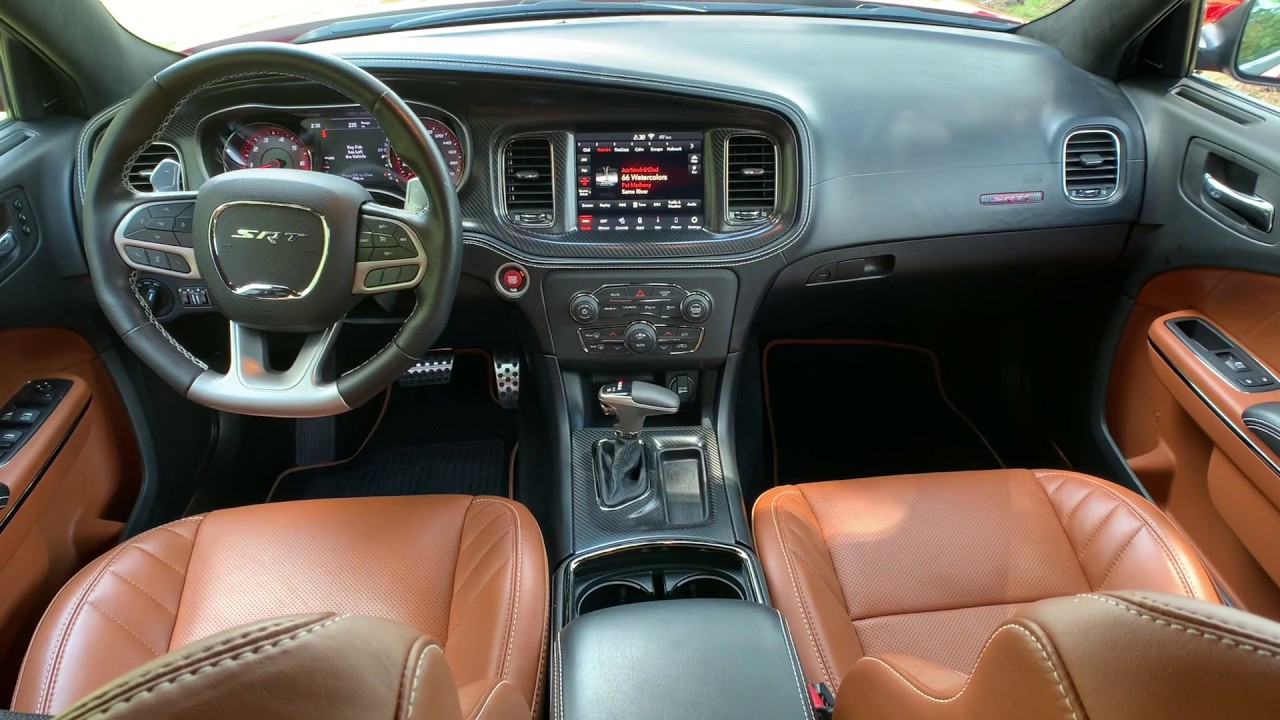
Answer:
(168, 210)
(136, 254)
(159, 237)
(641, 337)
(177, 263)
(158, 259)
(696, 307)
(584, 308)
(160, 223)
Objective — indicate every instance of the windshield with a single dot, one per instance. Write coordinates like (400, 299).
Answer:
(186, 24)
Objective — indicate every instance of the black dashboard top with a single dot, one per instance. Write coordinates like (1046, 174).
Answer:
(884, 131)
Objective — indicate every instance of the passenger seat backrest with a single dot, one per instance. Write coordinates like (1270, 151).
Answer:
(1101, 656)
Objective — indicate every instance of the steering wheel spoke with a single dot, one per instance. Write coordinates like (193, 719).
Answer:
(156, 235)
(390, 254)
(252, 385)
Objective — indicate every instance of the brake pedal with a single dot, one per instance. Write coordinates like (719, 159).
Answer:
(506, 375)
(435, 368)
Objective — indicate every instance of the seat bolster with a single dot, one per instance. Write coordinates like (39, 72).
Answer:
(1122, 541)
(319, 667)
(501, 604)
(1129, 655)
(803, 584)
(114, 615)
(1018, 676)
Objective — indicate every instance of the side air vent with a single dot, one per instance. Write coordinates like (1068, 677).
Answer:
(529, 182)
(1091, 165)
(157, 169)
(751, 174)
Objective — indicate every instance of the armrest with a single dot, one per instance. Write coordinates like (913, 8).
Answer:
(1264, 421)
(679, 658)
(21, 471)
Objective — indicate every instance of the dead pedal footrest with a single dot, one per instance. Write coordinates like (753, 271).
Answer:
(435, 368)
(506, 376)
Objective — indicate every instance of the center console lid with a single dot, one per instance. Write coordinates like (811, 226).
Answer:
(703, 658)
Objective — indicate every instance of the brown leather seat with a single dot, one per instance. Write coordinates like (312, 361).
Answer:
(309, 667)
(1106, 656)
(471, 572)
(929, 566)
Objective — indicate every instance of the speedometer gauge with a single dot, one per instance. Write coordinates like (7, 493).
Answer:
(450, 148)
(271, 146)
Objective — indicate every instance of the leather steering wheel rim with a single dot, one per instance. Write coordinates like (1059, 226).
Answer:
(109, 197)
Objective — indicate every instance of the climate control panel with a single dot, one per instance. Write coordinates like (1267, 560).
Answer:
(655, 314)
(660, 318)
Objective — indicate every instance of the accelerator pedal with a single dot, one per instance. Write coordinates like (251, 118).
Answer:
(435, 368)
(506, 375)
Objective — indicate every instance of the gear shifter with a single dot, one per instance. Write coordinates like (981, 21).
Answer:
(620, 470)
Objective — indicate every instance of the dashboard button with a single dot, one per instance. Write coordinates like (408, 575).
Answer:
(641, 337)
(669, 310)
(584, 308)
(611, 312)
(681, 347)
(696, 307)
(640, 293)
(593, 335)
(689, 333)
(667, 292)
(614, 294)
(663, 348)
(615, 348)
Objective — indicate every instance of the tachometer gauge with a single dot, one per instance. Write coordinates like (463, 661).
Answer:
(270, 146)
(449, 145)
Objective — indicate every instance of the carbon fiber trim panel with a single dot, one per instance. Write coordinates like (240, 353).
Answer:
(646, 518)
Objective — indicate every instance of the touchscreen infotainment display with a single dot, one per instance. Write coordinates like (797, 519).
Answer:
(632, 182)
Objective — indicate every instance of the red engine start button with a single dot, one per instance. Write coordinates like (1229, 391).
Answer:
(513, 279)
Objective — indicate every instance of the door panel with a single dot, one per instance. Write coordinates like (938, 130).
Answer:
(1194, 466)
(73, 481)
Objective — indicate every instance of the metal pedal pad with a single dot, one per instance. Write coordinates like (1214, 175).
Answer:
(506, 374)
(435, 368)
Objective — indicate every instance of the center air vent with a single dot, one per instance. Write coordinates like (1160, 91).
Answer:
(1091, 165)
(529, 182)
(157, 169)
(751, 173)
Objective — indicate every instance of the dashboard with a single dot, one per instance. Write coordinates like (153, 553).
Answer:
(601, 186)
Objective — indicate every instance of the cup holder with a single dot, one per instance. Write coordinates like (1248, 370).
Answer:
(613, 593)
(705, 586)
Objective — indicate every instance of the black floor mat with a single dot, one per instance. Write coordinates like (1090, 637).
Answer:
(469, 468)
(863, 410)
(439, 439)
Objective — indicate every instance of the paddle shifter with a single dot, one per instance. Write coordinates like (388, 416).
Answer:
(620, 469)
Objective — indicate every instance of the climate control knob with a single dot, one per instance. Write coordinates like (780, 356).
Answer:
(584, 308)
(641, 337)
(696, 307)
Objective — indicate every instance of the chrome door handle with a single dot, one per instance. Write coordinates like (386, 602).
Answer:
(1254, 210)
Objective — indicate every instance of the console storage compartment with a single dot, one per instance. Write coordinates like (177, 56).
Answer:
(706, 659)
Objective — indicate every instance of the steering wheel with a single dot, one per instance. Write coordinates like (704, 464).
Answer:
(280, 250)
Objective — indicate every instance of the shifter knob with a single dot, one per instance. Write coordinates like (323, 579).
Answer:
(632, 402)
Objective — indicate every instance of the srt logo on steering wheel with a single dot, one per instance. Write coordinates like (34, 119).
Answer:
(270, 236)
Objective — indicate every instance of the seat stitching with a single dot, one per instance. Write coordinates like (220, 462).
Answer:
(49, 682)
(417, 679)
(1120, 556)
(1173, 558)
(1101, 523)
(536, 700)
(481, 555)
(488, 699)
(152, 553)
(1074, 508)
(1188, 630)
(144, 591)
(1171, 608)
(1040, 646)
(210, 665)
(127, 629)
(461, 616)
(516, 543)
(786, 555)
(804, 559)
